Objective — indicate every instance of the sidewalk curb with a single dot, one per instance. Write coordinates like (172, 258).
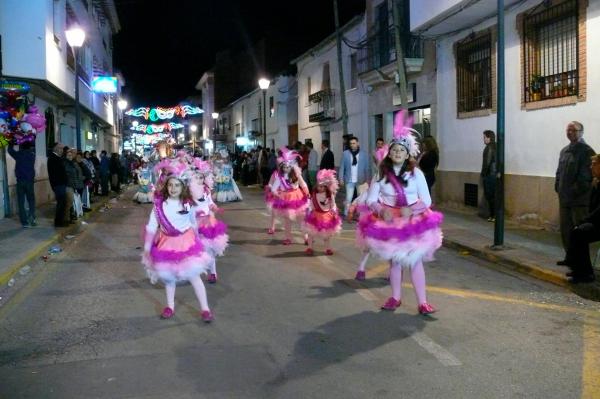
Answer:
(588, 291)
(37, 252)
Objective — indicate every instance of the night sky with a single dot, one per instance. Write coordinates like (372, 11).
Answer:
(165, 46)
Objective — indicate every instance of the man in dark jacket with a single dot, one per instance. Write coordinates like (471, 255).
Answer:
(327, 160)
(58, 182)
(96, 162)
(25, 173)
(578, 254)
(573, 182)
(104, 172)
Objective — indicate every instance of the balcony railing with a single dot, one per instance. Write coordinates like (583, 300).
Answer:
(321, 106)
(379, 50)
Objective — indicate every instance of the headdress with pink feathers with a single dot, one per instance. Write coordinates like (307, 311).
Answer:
(327, 177)
(172, 167)
(289, 157)
(204, 169)
(404, 134)
(381, 153)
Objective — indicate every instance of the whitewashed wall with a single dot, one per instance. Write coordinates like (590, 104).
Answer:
(533, 138)
(311, 65)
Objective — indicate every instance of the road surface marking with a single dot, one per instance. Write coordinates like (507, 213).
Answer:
(441, 354)
(488, 297)
(591, 360)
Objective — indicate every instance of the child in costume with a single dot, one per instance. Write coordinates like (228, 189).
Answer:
(400, 227)
(226, 189)
(172, 248)
(213, 232)
(323, 220)
(360, 205)
(145, 194)
(290, 193)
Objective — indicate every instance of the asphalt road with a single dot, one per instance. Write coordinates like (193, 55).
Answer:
(86, 325)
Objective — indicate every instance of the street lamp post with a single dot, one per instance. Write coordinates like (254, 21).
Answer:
(75, 38)
(122, 104)
(264, 83)
(215, 116)
(193, 129)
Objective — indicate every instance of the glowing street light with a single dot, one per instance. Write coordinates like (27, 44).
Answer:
(264, 83)
(193, 128)
(122, 104)
(75, 38)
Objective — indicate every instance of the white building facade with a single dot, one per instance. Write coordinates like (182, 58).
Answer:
(241, 123)
(549, 82)
(378, 76)
(319, 103)
(35, 50)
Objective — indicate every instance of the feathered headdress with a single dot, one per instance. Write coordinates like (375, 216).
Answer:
(404, 134)
(381, 153)
(289, 157)
(327, 177)
(172, 167)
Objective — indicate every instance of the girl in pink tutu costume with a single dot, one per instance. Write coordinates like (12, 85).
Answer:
(322, 220)
(290, 193)
(400, 227)
(172, 248)
(213, 232)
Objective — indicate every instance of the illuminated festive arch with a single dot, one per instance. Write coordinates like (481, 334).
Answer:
(160, 113)
(152, 129)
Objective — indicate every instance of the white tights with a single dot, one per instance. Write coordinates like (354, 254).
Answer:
(417, 274)
(199, 289)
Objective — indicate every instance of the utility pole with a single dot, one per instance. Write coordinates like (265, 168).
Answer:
(500, 115)
(399, 56)
(5, 188)
(341, 69)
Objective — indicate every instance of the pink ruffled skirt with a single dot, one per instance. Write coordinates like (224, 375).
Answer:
(176, 258)
(404, 240)
(213, 234)
(290, 204)
(322, 224)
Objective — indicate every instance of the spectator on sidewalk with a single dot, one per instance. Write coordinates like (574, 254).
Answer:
(25, 173)
(327, 159)
(96, 162)
(578, 253)
(379, 143)
(104, 172)
(124, 168)
(313, 165)
(264, 167)
(115, 170)
(272, 162)
(88, 174)
(354, 171)
(488, 172)
(58, 181)
(74, 187)
(429, 160)
(573, 182)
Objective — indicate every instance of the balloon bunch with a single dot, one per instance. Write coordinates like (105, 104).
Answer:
(19, 121)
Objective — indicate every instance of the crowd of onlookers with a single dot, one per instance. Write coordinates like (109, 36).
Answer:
(77, 177)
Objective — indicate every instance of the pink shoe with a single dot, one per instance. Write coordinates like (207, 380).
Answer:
(212, 279)
(329, 252)
(207, 316)
(391, 304)
(167, 313)
(271, 231)
(287, 241)
(360, 276)
(309, 251)
(426, 309)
